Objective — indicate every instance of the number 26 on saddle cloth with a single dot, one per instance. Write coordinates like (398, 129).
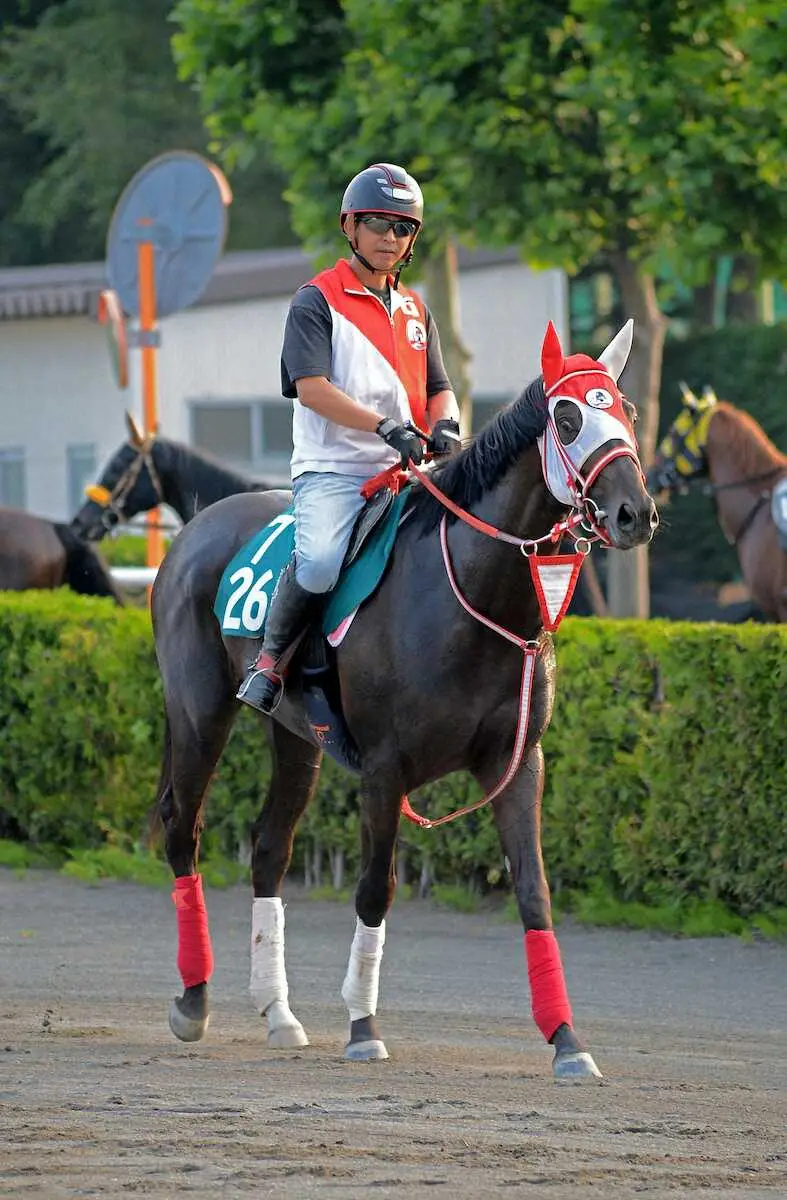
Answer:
(249, 580)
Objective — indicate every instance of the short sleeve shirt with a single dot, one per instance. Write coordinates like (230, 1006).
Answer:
(306, 350)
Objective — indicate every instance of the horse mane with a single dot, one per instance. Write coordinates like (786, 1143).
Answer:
(469, 475)
(746, 441)
(201, 468)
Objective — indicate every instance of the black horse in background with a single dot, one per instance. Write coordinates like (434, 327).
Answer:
(147, 471)
(37, 553)
(426, 687)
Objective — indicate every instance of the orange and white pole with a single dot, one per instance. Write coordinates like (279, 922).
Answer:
(146, 273)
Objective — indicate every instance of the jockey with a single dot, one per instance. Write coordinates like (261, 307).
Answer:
(361, 358)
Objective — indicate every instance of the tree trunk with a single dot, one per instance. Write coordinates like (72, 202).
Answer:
(743, 298)
(442, 281)
(628, 584)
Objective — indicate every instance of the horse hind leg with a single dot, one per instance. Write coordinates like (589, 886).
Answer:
(518, 818)
(296, 766)
(194, 742)
(373, 898)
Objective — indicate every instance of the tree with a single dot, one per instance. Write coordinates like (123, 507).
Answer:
(649, 132)
(95, 90)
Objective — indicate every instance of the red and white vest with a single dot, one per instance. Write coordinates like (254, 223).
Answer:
(378, 359)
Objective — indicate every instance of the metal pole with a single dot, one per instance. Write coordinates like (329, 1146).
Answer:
(146, 264)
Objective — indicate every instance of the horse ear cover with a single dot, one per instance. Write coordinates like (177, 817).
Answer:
(552, 361)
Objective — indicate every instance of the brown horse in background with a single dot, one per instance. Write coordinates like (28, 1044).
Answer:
(36, 553)
(748, 481)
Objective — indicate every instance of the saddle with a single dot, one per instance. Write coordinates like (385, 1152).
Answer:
(247, 586)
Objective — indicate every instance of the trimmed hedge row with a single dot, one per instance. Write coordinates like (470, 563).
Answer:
(666, 757)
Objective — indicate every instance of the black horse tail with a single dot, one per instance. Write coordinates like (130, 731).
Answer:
(84, 571)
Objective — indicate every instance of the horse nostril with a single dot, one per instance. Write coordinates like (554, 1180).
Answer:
(626, 517)
(654, 516)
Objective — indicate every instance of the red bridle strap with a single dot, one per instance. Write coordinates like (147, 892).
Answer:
(529, 654)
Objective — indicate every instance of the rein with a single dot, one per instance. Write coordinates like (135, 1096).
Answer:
(569, 564)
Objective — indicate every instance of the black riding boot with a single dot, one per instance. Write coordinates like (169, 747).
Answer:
(292, 607)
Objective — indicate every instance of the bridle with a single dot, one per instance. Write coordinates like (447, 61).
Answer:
(112, 502)
(671, 477)
(582, 517)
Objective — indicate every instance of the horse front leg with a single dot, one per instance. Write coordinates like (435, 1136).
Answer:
(373, 897)
(296, 767)
(190, 757)
(517, 816)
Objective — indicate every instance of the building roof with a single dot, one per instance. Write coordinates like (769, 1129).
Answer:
(72, 289)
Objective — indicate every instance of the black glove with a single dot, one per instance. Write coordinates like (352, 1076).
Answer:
(405, 442)
(446, 438)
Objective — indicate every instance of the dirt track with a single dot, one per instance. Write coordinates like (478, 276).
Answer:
(98, 1099)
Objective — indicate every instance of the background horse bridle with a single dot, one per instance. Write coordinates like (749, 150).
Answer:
(112, 502)
(668, 475)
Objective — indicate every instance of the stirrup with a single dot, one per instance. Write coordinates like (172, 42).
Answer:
(255, 690)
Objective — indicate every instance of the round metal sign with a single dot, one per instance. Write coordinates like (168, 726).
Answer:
(178, 202)
(110, 315)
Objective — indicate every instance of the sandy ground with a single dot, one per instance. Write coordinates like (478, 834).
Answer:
(98, 1099)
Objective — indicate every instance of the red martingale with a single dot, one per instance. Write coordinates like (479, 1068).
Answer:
(195, 953)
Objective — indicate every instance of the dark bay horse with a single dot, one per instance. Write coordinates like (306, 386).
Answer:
(427, 689)
(37, 553)
(147, 471)
(712, 439)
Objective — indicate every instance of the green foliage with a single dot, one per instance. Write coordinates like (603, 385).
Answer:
(665, 765)
(570, 130)
(92, 94)
(126, 550)
(746, 365)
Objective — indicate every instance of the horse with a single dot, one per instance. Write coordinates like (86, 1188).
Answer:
(147, 471)
(37, 553)
(427, 688)
(748, 482)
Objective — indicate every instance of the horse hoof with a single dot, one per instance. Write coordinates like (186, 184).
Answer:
(370, 1050)
(575, 1066)
(288, 1037)
(186, 1029)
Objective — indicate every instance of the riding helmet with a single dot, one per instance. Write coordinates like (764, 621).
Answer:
(383, 188)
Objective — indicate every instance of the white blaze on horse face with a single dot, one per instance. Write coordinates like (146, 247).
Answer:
(615, 356)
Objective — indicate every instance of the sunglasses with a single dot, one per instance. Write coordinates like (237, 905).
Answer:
(383, 224)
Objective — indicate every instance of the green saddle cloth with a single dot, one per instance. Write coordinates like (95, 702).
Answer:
(249, 580)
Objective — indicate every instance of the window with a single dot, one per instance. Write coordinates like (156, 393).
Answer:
(13, 489)
(254, 434)
(224, 430)
(80, 471)
(484, 408)
(276, 428)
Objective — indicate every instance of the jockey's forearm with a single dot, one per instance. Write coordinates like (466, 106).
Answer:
(442, 406)
(321, 396)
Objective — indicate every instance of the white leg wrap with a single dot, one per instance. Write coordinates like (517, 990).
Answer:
(362, 981)
(268, 982)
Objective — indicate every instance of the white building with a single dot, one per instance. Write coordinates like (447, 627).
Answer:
(61, 412)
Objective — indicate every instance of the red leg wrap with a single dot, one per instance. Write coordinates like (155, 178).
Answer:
(195, 953)
(547, 983)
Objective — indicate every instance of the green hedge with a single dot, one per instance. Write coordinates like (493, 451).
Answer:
(666, 757)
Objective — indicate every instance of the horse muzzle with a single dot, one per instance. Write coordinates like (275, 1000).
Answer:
(631, 522)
